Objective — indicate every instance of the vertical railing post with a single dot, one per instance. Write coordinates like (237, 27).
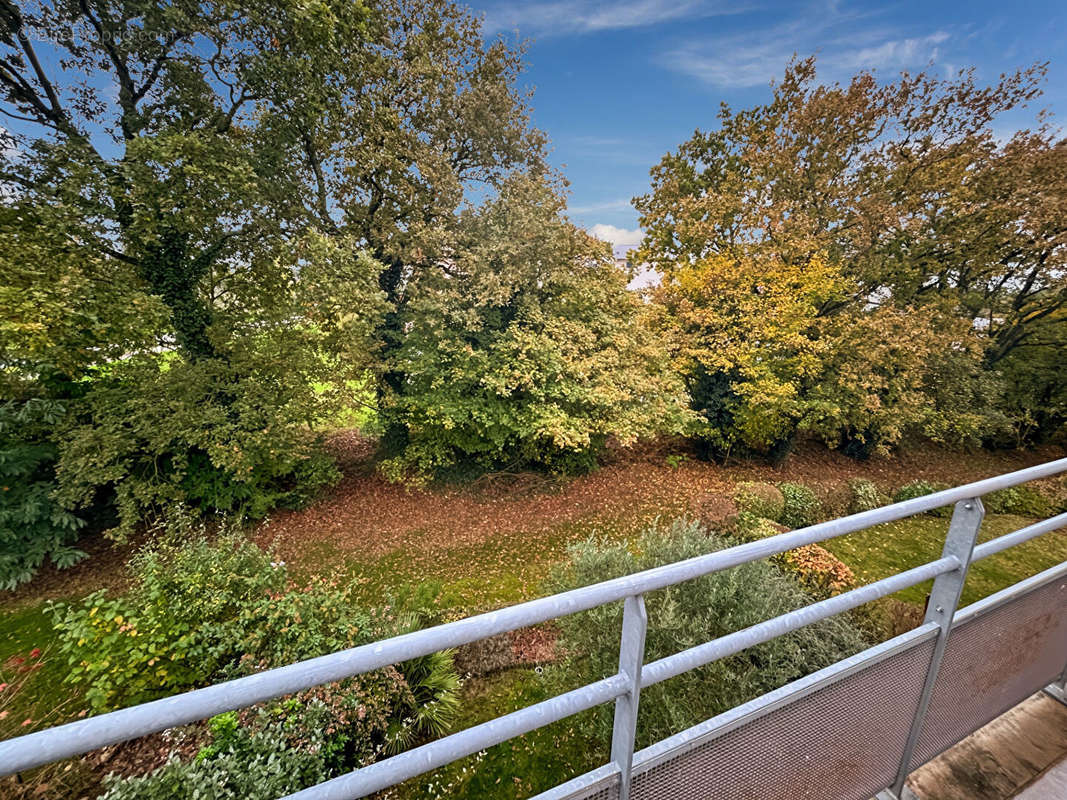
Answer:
(944, 600)
(1058, 688)
(631, 659)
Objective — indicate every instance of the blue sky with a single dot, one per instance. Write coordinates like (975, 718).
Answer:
(619, 84)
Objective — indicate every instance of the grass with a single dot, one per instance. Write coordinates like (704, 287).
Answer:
(487, 574)
(34, 697)
(516, 769)
(887, 549)
(35, 683)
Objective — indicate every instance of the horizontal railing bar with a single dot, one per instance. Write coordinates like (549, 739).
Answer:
(411, 763)
(1058, 572)
(600, 778)
(725, 646)
(1001, 543)
(75, 738)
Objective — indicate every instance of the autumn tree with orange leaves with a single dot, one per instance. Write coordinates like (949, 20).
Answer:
(866, 262)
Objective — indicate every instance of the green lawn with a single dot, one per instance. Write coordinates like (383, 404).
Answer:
(504, 570)
(895, 546)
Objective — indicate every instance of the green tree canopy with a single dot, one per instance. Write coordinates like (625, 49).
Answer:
(525, 347)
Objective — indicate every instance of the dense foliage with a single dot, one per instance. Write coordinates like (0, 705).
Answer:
(762, 500)
(170, 276)
(33, 527)
(259, 763)
(223, 227)
(529, 351)
(201, 610)
(864, 496)
(921, 488)
(801, 507)
(1023, 500)
(686, 615)
(866, 262)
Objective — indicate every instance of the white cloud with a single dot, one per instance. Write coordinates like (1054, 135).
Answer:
(845, 42)
(561, 17)
(607, 205)
(620, 237)
(891, 54)
(622, 241)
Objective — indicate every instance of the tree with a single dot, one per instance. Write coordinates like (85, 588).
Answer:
(439, 119)
(188, 181)
(524, 348)
(748, 328)
(168, 213)
(902, 188)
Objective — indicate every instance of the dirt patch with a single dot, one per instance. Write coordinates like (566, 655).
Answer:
(104, 568)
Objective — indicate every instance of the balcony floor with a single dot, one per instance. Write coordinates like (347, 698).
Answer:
(1021, 754)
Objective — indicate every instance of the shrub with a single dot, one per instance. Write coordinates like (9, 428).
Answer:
(178, 626)
(921, 488)
(201, 610)
(242, 763)
(865, 496)
(818, 570)
(686, 615)
(801, 506)
(33, 527)
(219, 436)
(762, 499)
(835, 498)
(1026, 501)
(750, 528)
(530, 356)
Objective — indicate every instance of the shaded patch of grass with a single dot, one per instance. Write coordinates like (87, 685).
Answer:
(515, 769)
(887, 549)
(35, 682)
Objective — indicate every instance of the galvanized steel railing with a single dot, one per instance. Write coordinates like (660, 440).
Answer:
(949, 572)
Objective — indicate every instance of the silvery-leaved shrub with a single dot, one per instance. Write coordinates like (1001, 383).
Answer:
(686, 615)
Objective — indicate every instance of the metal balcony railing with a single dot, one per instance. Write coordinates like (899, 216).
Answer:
(851, 730)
